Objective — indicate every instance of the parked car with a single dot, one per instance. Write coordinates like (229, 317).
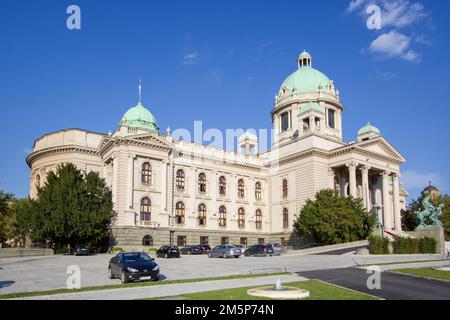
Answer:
(240, 246)
(277, 249)
(80, 250)
(191, 250)
(205, 248)
(168, 252)
(259, 250)
(225, 251)
(133, 266)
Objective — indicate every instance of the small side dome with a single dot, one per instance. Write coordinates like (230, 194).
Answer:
(368, 128)
(140, 117)
(249, 135)
(432, 191)
(304, 59)
(312, 106)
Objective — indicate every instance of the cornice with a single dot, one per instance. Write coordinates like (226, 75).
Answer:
(58, 150)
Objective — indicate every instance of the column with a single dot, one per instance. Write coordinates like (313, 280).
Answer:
(396, 206)
(365, 187)
(164, 186)
(386, 207)
(331, 176)
(130, 180)
(352, 178)
(115, 178)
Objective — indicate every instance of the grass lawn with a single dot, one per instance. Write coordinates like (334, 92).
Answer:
(426, 273)
(133, 284)
(399, 262)
(318, 291)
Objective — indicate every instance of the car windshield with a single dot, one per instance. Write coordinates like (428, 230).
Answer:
(81, 247)
(133, 257)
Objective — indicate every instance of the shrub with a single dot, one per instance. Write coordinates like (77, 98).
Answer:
(406, 246)
(152, 250)
(378, 245)
(116, 250)
(428, 245)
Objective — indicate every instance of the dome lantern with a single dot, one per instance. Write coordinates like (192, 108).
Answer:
(304, 60)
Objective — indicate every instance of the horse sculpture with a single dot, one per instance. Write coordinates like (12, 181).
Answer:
(429, 212)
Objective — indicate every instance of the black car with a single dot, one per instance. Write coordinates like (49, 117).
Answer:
(168, 252)
(259, 250)
(133, 266)
(192, 250)
(205, 249)
(80, 250)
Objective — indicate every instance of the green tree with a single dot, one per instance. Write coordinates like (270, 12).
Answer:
(445, 218)
(332, 219)
(71, 208)
(6, 217)
(23, 219)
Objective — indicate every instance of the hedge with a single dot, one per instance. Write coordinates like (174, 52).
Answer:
(378, 245)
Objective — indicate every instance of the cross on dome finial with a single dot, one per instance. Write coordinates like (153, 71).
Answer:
(140, 90)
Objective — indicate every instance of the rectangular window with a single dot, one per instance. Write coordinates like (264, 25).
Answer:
(331, 115)
(181, 241)
(244, 242)
(204, 241)
(261, 241)
(224, 240)
(285, 122)
(283, 242)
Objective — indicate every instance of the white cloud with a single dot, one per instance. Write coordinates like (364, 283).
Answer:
(355, 4)
(394, 44)
(401, 13)
(190, 58)
(418, 181)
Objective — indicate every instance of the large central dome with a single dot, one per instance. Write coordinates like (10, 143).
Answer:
(306, 79)
(140, 117)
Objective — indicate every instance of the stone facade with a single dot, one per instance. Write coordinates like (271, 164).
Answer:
(164, 188)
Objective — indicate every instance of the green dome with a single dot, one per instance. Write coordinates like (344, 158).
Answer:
(305, 80)
(139, 117)
(312, 106)
(248, 136)
(368, 128)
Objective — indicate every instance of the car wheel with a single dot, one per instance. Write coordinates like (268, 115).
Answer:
(225, 255)
(123, 277)
(166, 256)
(209, 255)
(110, 274)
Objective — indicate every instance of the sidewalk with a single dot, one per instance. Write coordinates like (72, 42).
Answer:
(167, 290)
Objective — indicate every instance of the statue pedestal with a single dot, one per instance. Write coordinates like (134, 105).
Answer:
(431, 232)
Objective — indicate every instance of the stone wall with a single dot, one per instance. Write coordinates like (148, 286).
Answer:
(21, 252)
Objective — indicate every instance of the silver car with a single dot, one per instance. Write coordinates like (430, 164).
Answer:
(225, 251)
(277, 249)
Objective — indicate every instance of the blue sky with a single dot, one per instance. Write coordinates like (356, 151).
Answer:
(211, 60)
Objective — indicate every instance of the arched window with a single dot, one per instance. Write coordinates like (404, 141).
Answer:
(147, 241)
(241, 188)
(202, 215)
(38, 181)
(202, 182)
(146, 209)
(146, 173)
(258, 219)
(179, 210)
(222, 216)
(222, 186)
(258, 191)
(241, 218)
(181, 181)
(285, 218)
(285, 188)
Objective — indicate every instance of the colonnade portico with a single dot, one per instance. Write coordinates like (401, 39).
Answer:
(372, 185)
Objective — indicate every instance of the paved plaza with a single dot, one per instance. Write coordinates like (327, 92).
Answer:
(47, 273)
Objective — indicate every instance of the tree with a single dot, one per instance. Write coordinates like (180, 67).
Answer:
(332, 219)
(445, 218)
(6, 217)
(23, 217)
(71, 208)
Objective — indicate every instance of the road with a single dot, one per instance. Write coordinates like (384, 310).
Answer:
(393, 286)
(48, 273)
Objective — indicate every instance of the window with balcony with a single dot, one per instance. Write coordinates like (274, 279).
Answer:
(258, 219)
(222, 186)
(180, 180)
(241, 218)
(258, 191)
(180, 212)
(202, 183)
(146, 209)
(222, 216)
(241, 188)
(146, 173)
(202, 215)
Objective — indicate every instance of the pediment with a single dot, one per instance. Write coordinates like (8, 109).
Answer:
(148, 139)
(381, 147)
